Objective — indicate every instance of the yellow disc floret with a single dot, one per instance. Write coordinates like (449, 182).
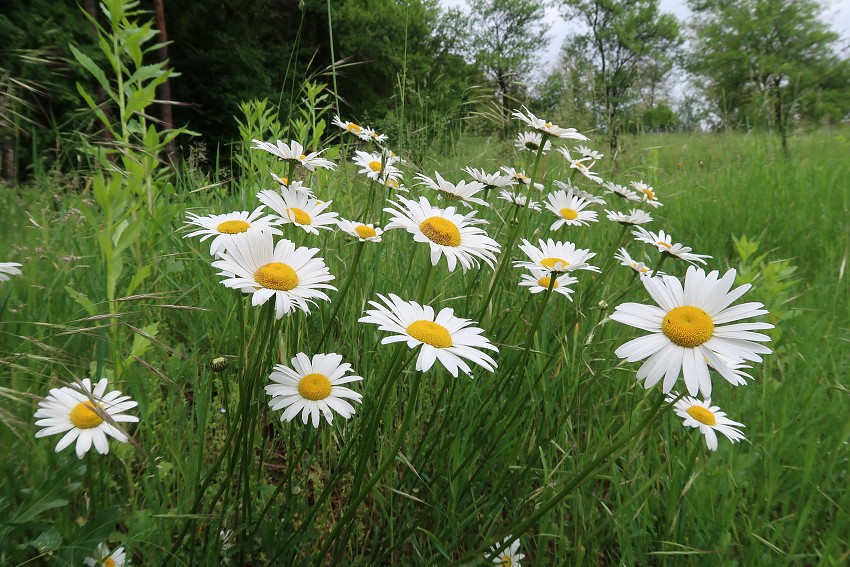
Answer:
(364, 231)
(314, 387)
(233, 227)
(431, 333)
(108, 562)
(440, 230)
(702, 415)
(569, 214)
(546, 281)
(276, 275)
(352, 127)
(687, 326)
(84, 416)
(298, 215)
(375, 166)
(552, 262)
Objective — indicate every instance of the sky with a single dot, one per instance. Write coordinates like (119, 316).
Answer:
(836, 13)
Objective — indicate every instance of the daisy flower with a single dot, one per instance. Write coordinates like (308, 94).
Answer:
(9, 269)
(690, 330)
(647, 193)
(225, 227)
(581, 166)
(707, 418)
(463, 191)
(635, 216)
(540, 280)
(555, 257)
(586, 152)
(377, 166)
(490, 180)
(313, 386)
(625, 260)
(299, 208)
(530, 141)
(665, 245)
(508, 557)
(373, 135)
(87, 414)
(547, 127)
(105, 558)
(296, 185)
(294, 152)
(569, 209)
(445, 231)
(443, 337)
(518, 199)
(521, 177)
(363, 232)
(351, 128)
(620, 191)
(255, 265)
(574, 191)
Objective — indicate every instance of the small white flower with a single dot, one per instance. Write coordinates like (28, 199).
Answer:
(9, 269)
(294, 152)
(570, 210)
(547, 127)
(361, 231)
(105, 558)
(665, 245)
(508, 557)
(620, 191)
(462, 191)
(575, 191)
(490, 180)
(539, 280)
(225, 227)
(530, 142)
(299, 208)
(646, 193)
(555, 257)
(352, 128)
(583, 165)
(625, 260)
(518, 199)
(635, 216)
(377, 166)
(521, 177)
(707, 418)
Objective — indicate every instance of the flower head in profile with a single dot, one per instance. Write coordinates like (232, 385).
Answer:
(520, 177)
(509, 556)
(85, 414)
(625, 260)
(576, 191)
(646, 193)
(546, 127)
(664, 243)
(105, 558)
(374, 136)
(531, 141)
(290, 274)
(351, 128)
(583, 165)
(299, 208)
(693, 327)
(555, 257)
(222, 228)
(707, 418)
(539, 280)
(313, 387)
(586, 152)
(462, 191)
(377, 165)
(620, 191)
(9, 269)
(361, 231)
(569, 210)
(634, 216)
(490, 180)
(447, 232)
(294, 152)
(518, 199)
(442, 336)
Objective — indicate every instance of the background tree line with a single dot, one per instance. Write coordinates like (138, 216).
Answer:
(415, 65)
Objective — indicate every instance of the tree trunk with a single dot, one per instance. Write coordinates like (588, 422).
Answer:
(164, 94)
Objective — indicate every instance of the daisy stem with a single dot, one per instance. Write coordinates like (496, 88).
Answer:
(533, 328)
(658, 265)
(427, 278)
(340, 295)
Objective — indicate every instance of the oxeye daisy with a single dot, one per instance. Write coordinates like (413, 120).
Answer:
(377, 166)
(445, 231)
(530, 141)
(294, 152)
(555, 257)
(707, 418)
(84, 414)
(690, 330)
(490, 180)
(521, 177)
(462, 191)
(635, 216)
(222, 228)
(105, 558)
(371, 134)
(547, 127)
(255, 265)
(351, 128)
(625, 260)
(299, 208)
(363, 232)
(540, 280)
(586, 152)
(442, 336)
(570, 210)
(575, 191)
(620, 191)
(518, 199)
(509, 556)
(9, 269)
(665, 245)
(583, 165)
(313, 387)
(646, 193)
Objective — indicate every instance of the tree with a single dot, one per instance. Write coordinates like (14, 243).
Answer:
(623, 40)
(768, 62)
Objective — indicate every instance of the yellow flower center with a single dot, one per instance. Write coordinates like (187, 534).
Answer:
(364, 231)
(392, 183)
(314, 387)
(506, 561)
(298, 215)
(84, 416)
(546, 281)
(650, 194)
(302, 157)
(431, 333)
(548, 125)
(441, 231)
(552, 262)
(702, 415)
(283, 180)
(233, 227)
(580, 165)
(664, 244)
(687, 326)
(276, 275)
(352, 127)
(108, 562)
(375, 166)
(569, 214)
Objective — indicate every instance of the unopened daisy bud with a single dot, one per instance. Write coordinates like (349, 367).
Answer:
(219, 364)
(602, 305)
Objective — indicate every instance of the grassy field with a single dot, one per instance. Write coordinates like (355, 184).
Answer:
(560, 446)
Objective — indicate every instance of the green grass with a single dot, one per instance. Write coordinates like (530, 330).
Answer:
(482, 457)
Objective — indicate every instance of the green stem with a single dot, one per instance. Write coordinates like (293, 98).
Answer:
(340, 295)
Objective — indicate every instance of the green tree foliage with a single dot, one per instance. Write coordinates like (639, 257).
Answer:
(768, 63)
